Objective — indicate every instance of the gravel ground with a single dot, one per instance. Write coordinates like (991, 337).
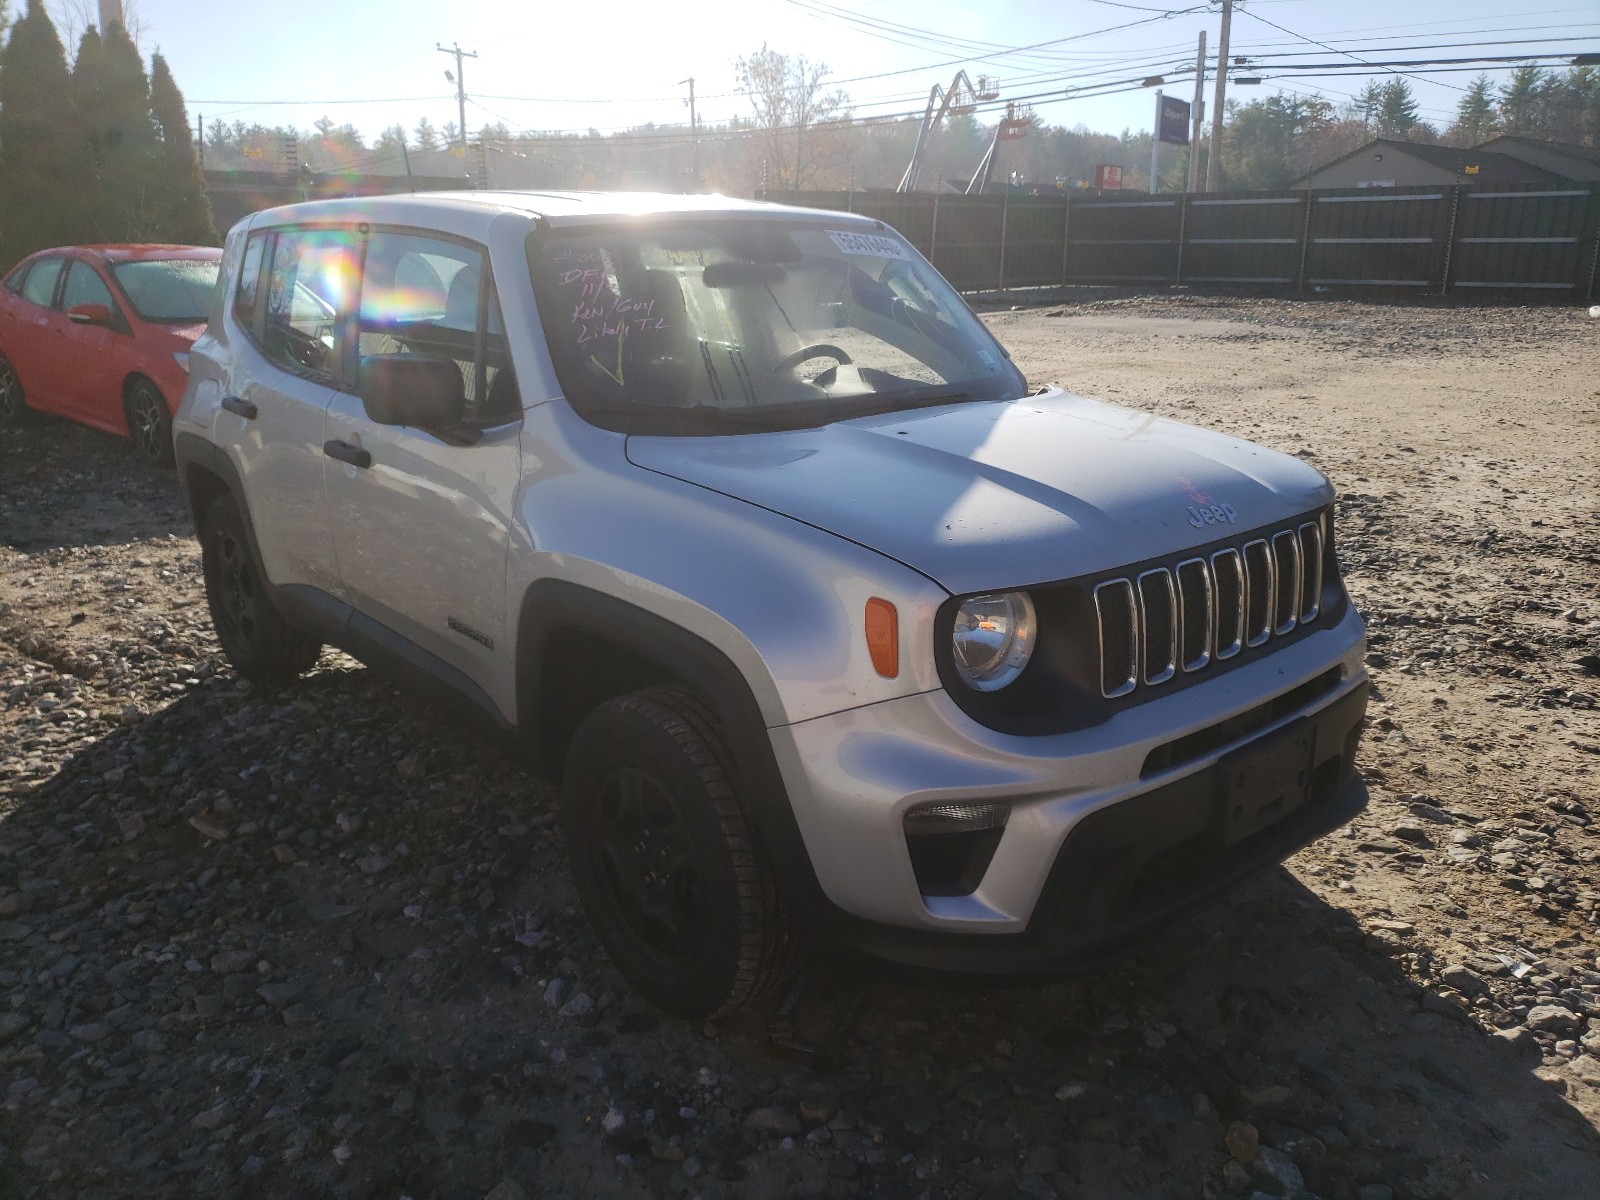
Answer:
(324, 943)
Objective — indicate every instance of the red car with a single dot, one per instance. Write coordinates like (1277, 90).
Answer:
(101, 334)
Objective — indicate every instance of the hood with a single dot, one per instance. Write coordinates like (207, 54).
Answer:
(982, 497)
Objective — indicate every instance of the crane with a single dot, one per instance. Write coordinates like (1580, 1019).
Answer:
(960, 97)
(1010, 127)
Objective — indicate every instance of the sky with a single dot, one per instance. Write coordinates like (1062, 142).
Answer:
(616, 63)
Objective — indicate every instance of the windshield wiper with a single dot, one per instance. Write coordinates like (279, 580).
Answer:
(875, 403)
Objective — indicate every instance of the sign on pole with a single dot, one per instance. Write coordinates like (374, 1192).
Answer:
(1174, 121)
(1108, 177)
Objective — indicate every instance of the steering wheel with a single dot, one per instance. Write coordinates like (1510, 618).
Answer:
(806, 353)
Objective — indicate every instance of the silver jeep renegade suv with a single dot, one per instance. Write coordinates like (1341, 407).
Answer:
(737, 522)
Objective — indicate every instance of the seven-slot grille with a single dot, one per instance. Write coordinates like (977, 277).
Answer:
(1178, 619)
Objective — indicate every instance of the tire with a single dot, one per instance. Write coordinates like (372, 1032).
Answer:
(662, 856)
(13, 406)
(259, 643)
(149, 424)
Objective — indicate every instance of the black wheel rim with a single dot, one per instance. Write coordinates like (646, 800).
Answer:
(649, 865)
(147, 412)
(237, 590)
(10, 394)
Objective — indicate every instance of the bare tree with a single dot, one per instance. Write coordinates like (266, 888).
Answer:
(790, 103)
(72, 17)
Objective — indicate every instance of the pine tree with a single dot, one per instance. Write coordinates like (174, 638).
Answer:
(1397, 109)
(427, 136)
(39, 185)
(1522, 102)
(391, 143)
(181, 186)
(1366, 105)
(1475, 116)
(128, 153)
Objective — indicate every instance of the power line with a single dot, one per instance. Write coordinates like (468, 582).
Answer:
(1333, 50)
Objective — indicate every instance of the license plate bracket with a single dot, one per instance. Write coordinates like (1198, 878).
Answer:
(1264, 782)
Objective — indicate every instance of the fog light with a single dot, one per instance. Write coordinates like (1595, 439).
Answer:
(951, 845)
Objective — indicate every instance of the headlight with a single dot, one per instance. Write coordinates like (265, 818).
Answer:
(181, 357)
(993, 639)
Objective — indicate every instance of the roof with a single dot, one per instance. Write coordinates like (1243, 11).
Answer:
(1587, 154)
(139, 251)
(560, 208)
(1490, 166)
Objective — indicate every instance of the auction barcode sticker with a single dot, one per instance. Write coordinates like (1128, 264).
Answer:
(873, 244)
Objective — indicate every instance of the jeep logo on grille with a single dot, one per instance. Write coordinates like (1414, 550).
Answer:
(1211, 514)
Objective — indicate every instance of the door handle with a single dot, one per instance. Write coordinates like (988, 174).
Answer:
(240, 408)
(345, 452)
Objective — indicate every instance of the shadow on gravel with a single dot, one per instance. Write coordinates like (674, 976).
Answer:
(63, 485)
(319, 944)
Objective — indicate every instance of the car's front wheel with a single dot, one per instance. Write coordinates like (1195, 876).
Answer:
(13, 410)
(149, 424)
(663, 859)
(260, 644)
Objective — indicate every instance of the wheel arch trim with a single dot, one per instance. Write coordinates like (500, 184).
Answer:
(552, 606)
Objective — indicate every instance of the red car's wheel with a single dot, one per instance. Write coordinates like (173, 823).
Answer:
(149, 424)
(12, 408)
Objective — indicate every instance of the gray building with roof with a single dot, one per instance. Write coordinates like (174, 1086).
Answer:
(1387, 163)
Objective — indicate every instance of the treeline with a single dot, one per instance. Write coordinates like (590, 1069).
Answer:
(1267, 144)
(1271, 142)
(100, 151)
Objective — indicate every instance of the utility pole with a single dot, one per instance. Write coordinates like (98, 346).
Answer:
(460, 80)
(200, 139)
(1197, 116)
(1214, 159)
(694, 130)
(1155, 144)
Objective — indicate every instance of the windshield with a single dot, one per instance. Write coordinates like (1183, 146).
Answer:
(176, 291)
(700, 326)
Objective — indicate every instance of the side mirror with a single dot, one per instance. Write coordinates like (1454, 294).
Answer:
(412, 389)
(89, 314)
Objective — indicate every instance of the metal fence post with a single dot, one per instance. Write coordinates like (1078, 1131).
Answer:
(1005, 214)
(1066, 236)
(933, 232)
(1450, 240)
(1594, 224)
(1183, 226)
(1305, 241)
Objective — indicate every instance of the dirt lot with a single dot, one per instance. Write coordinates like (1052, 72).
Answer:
(324, 944)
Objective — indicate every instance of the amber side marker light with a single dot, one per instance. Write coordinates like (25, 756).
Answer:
(883, 637)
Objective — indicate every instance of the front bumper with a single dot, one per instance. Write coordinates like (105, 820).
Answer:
(1101, 847)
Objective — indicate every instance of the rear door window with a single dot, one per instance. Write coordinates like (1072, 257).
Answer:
(310, 288)
(40, 285)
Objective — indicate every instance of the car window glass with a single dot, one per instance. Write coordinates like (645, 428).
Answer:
(84, 286)
(174, 291)
(309, 289)
(14, 280)
(244, 297)
(423, 295)
(40, 285)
